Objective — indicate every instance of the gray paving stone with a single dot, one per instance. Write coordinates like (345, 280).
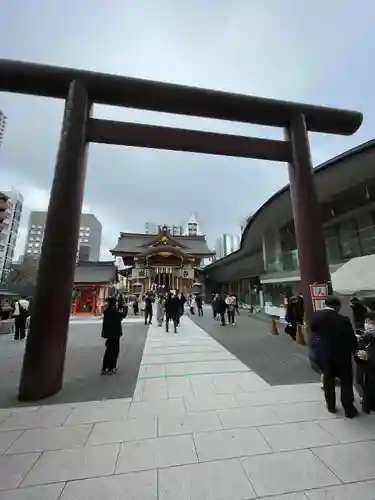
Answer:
(355, 491)
(7, 438)
(13, 469)
(224, 480)
(350, 462)
(214, 402)
(82, 379)
(156, 453)
(248, 417)
(279, 473)
(289, 496)
(138, 486)
(44, 492)
(188, 423)
(53, 438)
(98, 413)
(44, 417)
(230, 444)
(277, 360)
(301, 412)
(67, 465)
(296, 436)
(119, 431)
(149, 409)
(349, 431)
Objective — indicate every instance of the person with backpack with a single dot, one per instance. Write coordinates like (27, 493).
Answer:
(20, 314)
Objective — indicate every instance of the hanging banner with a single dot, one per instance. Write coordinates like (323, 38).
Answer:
(319, 293)
(187, 274)
(139, 273)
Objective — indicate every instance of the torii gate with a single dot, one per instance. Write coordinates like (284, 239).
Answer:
(43, 365)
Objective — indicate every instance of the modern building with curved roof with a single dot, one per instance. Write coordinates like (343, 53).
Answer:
(268, 254)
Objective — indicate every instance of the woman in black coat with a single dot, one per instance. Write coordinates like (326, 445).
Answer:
(111, 331)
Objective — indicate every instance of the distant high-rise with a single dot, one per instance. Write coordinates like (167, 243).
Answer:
(193, 227)
(9, 232)
(90, 236)
(3, 122)
(174, 230)
(226, 244)
(151, 228)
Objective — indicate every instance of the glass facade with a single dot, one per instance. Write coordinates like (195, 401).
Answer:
(349, 229)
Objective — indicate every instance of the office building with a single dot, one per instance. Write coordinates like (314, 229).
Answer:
(151, 228)
(174, 230)
(3, 122)
(10, 223)
(226, 244)
(90, 236)
(266, 268)
(193, 227)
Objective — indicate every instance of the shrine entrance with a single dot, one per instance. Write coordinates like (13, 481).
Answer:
(43, 365)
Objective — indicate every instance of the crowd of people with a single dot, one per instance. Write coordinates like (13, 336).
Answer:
(225, 305)
(333, 343)
(169, 308)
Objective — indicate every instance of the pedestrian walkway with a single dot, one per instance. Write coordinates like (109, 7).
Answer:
(201, 426)
(96, 320)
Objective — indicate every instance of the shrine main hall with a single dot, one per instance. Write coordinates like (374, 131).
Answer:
(161, 260)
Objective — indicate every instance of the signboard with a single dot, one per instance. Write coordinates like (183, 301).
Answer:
(139, 273)
(319, 293)
(187, 274)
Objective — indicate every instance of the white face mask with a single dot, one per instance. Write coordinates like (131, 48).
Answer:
(369, 325)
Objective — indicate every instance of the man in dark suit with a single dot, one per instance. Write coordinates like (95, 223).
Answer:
(334, 342)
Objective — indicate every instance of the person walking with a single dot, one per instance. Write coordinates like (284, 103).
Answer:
(172, 311)
(20, 314)
(231, 309)
(149, 300)
(135, 306)
(215, 298)
(160, 310)
(221, 307)
(111, 332)
(335, 344)
(192, 304)
(199, 304)
(359, 312)
(181, 305)
(294, 316)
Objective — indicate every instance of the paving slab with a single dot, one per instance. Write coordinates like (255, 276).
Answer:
(196, 432)
(82, 379)
(277, 359)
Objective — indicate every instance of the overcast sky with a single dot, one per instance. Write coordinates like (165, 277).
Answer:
(319, 51)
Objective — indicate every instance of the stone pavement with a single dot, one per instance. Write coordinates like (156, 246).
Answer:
(201, 426)
(82, 380)
(277, 359)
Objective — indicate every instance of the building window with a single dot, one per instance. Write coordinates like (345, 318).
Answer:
(333, 245)
(349, 241)
(366, 232)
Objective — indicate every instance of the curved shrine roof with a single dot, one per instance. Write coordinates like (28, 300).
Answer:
(137, 244)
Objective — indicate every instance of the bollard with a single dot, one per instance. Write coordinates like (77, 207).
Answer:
(274, 329)
(300, 339)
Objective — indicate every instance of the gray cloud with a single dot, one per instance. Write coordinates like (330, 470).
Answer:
(316, 52)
